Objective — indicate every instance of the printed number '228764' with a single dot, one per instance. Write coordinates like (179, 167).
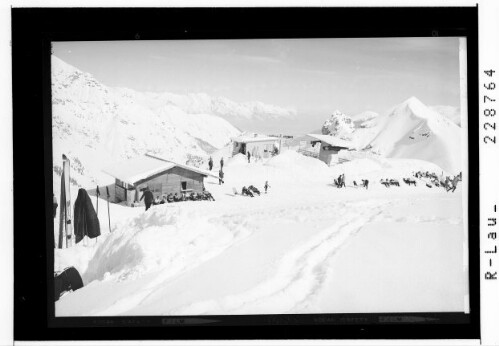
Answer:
(490, 124)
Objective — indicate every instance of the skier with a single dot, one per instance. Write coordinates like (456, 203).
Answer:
(343, 181)
(222, 163)
(220, 177)
(148, 197)
(249, 157)
(210, 163)
(54, 204)
(266, 186)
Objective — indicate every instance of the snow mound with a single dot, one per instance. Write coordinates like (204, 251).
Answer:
(292, 160)
(237, 160)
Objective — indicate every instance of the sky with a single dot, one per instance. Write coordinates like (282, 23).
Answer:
(315, 77)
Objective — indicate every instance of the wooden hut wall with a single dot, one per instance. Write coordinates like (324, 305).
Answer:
(236, 149)
(170, 182)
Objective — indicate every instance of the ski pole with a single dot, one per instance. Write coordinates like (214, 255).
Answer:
(108, 214)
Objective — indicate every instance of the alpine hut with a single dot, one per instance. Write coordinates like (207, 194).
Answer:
(330, 147)
(161, 176)
(256, 145)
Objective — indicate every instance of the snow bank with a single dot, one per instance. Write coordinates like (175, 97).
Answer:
(295, 161)
(167, 237)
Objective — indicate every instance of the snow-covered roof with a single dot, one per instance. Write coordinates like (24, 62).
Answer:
(142, 167)
(251, 139)
(331, 140)
(190, 168)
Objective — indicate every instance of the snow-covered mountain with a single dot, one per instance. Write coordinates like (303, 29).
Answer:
(413, 130)
(94, 124)
(409, 130)
(220, 106)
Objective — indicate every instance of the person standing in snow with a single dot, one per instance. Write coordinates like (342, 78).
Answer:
(210, 163)
(220, 177)
(148, 198)
(365, 183)
(222, 163)
(54, 204)
(249, 157)
(266, 186)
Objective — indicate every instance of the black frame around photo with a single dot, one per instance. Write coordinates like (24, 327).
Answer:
(33, 31)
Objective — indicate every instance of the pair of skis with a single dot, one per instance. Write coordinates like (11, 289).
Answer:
(65, 215)
(108, 213)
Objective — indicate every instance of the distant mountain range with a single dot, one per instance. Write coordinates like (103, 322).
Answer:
(95, 124)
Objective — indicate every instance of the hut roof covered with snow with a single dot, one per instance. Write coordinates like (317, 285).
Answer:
(331, 140)
(142, 167)
(251, 139)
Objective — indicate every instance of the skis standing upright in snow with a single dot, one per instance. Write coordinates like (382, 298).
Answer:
(65, 218)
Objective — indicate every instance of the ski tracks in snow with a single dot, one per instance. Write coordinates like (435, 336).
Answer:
(300, 273)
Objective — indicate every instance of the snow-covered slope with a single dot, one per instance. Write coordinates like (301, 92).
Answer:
(364, 119)
(413, 130)
(94, 124)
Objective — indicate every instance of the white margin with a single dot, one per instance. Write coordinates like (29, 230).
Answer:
(489, 42)
(489, 168)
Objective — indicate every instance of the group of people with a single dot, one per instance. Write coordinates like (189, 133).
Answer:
(251, 190)
(340, 182)
(149, 199)
(448, 183)
(221, 170)
(364, 183)
(388, 182)
(210, 163)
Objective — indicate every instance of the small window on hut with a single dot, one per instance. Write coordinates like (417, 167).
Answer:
(184, 185)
